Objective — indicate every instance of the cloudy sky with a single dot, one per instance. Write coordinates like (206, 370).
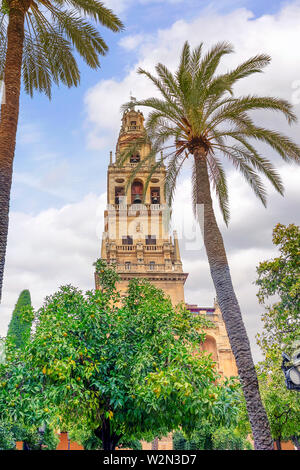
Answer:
(58, 193)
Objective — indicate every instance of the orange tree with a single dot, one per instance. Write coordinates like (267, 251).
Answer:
(126, 368)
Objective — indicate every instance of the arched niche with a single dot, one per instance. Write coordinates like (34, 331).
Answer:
(210, 346)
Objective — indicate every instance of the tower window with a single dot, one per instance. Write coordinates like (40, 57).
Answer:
(152, 265)
(150, 240)
(119, 195)
(127, 265)
(133, 123)
(127, 240)
(155, 195)
(136, 192)
(135, 158)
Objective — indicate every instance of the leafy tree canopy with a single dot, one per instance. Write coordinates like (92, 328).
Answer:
(124, 367)
(279, 279)
(282, 405)
(227, 428)
(18, 333)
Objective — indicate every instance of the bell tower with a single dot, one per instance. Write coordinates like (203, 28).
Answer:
(136, 236)
(137, 241)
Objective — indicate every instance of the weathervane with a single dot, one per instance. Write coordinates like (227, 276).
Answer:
(132, 101)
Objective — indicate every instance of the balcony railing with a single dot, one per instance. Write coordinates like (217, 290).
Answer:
(133, 128)
(136, 207)
(141, 268)
(126, 247)
(153, 248)
(156, 248)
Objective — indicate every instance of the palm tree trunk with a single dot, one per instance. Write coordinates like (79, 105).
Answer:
(296, 442)
(230, 308)
(9, 116)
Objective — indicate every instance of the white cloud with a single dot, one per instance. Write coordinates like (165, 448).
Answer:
(275, 35)
(131, 42)
(54, 247)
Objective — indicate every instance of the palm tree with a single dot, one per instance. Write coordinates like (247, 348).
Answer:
(199, 118)
(37, 39)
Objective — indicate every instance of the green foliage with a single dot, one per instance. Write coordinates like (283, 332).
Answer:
(282, 405)
(179, 441)
(87, 438)
(130, 363)
(230, 414)
(19, 328)
(52, 31)
(106, 278)
(11, 432)
(198, 113)
(280, 277)
(207, 438)
(4, 8)
(201, 440)
(228, 439)
(7, 440)
(2, 350)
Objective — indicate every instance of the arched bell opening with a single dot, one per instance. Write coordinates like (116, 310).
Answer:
(137, 192)
(119, 194)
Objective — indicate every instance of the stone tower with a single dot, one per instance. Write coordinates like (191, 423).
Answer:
(136, 237)
(137, 241)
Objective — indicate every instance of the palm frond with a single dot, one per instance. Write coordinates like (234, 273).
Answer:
(164, 91)
(218, 178)
(83, 35)
(57, 50)
(53, 32)
(98, 12)
(249, 174)
(284, 146)
(170, 82)
(35, 68)
(198, 108)
(258, 161)
(174, 167)
(226, 81)
(210, 63)
(240, 106)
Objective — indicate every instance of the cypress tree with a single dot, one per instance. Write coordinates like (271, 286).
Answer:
(19, 328)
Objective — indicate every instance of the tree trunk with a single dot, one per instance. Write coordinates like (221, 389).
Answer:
(230, 308)
(154, 444)
(296, 442)
(278, 444)
(9, 116)
(109, 439)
